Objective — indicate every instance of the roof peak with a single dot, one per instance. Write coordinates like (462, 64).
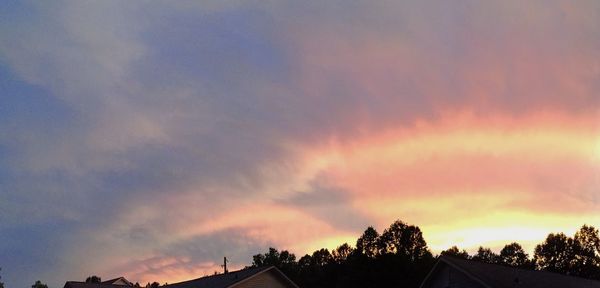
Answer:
(497, 275)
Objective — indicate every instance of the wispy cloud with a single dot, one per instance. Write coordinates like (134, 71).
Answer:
(152, 138)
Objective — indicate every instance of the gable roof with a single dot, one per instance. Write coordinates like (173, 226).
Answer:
(230, 279)
(78, 284)
(104, 284)
(499, 276)
(122, 279)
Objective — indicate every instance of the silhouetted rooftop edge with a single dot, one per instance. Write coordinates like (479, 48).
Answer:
(229, 279)
(500, 276)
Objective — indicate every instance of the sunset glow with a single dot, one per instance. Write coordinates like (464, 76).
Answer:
(151, 140)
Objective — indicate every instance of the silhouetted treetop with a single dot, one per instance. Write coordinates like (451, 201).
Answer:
(39, 284)
(485, 255)
(321, 257)
(368, 243)
(587, 253)
(341, 253)
(275, 258)
(555, 253)
(454, 251)
(589, 241)
(93, 279)
(305, 261)
(403, 239)
(399, 257)
(513, 255)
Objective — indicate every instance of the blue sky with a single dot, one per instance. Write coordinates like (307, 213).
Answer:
(150, 139)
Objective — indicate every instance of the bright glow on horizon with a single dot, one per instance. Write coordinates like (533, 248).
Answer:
(151, 139)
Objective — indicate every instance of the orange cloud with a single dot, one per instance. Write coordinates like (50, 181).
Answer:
(470, 175)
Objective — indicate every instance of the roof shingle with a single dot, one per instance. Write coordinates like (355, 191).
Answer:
(220, 280)
(499, 276)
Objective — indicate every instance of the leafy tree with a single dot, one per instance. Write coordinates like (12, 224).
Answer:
(579, 256)
(258, 260)
(154, 285)
(1, 283)
(93, 279)
(485, 255)
(454, 251)
(287, 258)
(283, 260)
(555, 253)
(39, 284)
(403, 239)
(587, 250)
(341, 253)
(367, 243)
(513, 255)
(275, 258)
(588, 239)
(321, 257)
(305, 262)
(269, 258)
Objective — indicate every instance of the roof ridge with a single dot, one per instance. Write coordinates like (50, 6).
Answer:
(245, 269)
(473, 269)
(520, 268)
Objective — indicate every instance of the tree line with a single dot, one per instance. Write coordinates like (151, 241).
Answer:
(400, 257)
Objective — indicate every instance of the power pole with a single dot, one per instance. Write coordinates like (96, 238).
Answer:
(224, 265)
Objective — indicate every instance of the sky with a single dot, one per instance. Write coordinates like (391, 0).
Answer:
(149, 139)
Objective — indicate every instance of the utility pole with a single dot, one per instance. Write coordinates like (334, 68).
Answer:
(224, 265)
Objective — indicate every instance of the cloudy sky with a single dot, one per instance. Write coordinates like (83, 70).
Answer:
(150, 139)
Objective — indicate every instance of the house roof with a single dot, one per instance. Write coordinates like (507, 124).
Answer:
(227, 280)
(103, 284)
(78, 284)
(112, 281)
(499, 276)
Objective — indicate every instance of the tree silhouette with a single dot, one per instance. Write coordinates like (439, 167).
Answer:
(154, 285)
(287, 258)
(367, 244)
(341, 253)
(269, 258)
(1, 283)
(588, 239)
(305, 262)
(587, 250)
(321, 257)
(485, 255)
(405, 240)
(579, 256)
(93, 279)
(555, 254)
(283, 260)
(399, 257)
(513, 255)
(39, 284)
(454, 251)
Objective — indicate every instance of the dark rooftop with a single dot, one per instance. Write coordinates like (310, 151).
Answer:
(219, 280)
(111, 281)
(77, 284)
(499, 276)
